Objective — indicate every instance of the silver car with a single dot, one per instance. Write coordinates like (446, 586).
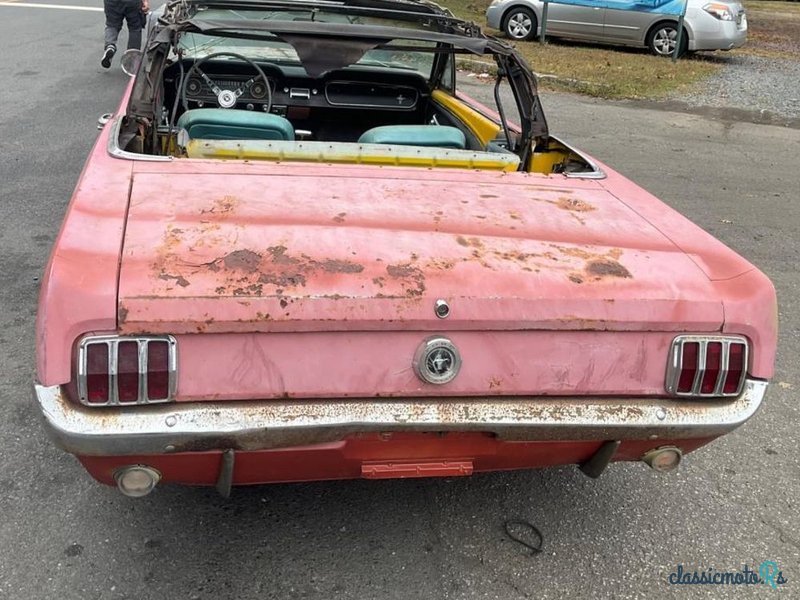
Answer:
(708, 25)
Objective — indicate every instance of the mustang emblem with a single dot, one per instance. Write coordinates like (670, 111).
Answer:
(437, 360)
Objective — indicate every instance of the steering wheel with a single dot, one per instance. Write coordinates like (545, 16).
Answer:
(226, 98)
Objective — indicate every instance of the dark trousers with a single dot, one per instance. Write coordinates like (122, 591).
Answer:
(131, 12)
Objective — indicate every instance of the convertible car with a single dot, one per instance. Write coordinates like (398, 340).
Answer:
(298, 252)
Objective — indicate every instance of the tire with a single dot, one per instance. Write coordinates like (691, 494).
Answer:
(520, 24)
(662, 37)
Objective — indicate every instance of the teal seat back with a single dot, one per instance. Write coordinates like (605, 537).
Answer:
(430, 136)
(231, 124)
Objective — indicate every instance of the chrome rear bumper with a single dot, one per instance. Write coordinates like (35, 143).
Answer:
(259, 425)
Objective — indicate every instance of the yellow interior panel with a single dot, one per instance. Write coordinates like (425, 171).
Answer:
(351, 153)
(483, 127)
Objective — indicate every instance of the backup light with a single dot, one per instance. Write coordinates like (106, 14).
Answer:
(136, 481)
(117, 371)
(707, 366)
(663, 459)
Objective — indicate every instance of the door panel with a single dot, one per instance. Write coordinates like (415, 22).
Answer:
(629, 26)
(583, 22)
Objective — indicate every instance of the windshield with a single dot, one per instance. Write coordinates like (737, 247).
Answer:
(393, 55)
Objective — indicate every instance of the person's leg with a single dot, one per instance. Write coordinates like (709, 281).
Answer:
(114, 14)
(134, 17)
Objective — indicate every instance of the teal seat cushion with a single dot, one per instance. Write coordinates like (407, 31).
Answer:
(232, 124)
(435, 136)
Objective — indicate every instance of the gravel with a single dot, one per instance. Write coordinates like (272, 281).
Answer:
(751, 83)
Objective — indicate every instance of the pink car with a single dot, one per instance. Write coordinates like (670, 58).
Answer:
(298, 253)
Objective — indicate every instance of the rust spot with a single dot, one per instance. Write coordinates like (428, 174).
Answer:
(607, 268)
(489, 196)
(244, 260)
(440, 264)
(340, 217)
(495, 382)
(378, 281)
(179, 279)
(472, 242)
(514, 215)
(122, 315)
(284, 303)
(279, 256)
(412, 276)
(340, 266)
(574, 204)
(575, 278)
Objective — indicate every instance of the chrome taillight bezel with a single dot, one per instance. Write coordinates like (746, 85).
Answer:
(675, 365)
(112, 343)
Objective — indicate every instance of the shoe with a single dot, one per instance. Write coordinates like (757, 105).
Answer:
(109, 53)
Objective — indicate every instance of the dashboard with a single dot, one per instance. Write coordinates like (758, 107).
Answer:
(354, 88)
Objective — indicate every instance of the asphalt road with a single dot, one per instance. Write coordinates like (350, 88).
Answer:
(63, 536)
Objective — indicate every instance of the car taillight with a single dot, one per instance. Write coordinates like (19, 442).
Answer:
(117, 371)
(707, 366)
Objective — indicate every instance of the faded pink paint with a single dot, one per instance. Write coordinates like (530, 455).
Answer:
(233, 246)
(372, 364)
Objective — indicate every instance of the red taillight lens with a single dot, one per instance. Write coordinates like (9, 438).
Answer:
(688, 366)
(115, 370)
(158, 370)
(713, 360)
(128, 371)
(736, 368)
(97, 374)
(707, 365)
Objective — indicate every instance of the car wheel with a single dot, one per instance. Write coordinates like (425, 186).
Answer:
(662, 39)
(520, 23)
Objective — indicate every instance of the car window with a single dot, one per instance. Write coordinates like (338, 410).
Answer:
(396, 55)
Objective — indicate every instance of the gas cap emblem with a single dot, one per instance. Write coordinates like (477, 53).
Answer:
(437, 360)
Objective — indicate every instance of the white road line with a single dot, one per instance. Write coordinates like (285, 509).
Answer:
(61, 6)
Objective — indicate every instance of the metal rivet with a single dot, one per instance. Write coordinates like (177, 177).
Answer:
(171, 420)
(661, 414)
(169, 448)
(442, 309)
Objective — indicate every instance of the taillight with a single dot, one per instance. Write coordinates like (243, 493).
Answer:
(707, 366)
(118, 371)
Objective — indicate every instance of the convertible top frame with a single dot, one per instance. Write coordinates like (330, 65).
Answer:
(440, 27)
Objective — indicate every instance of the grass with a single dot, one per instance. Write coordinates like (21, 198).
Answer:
(616, 72)
(773, 29)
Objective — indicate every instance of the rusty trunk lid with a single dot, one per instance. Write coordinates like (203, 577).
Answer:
(291, 249)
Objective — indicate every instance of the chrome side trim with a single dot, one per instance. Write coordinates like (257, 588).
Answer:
(259, 425)
(117, 152)
(595, 173)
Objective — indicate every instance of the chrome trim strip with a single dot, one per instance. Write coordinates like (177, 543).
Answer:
(114, 150)
(723, 368)
(595, 173)
(142, 348)
(259, 425)
(700, 374)
(113, 359)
